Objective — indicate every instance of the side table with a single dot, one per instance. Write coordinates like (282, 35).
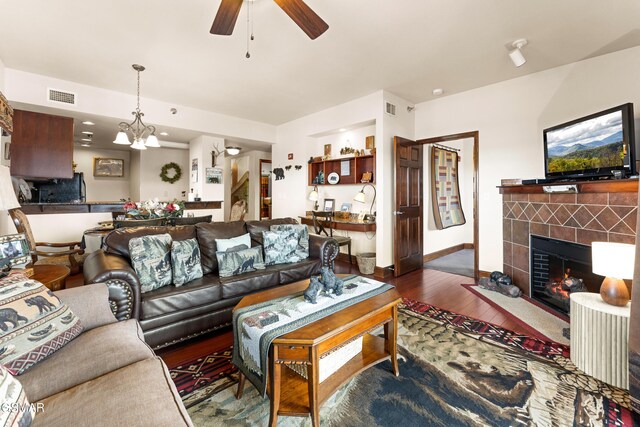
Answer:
(600, 338)
(53, 276)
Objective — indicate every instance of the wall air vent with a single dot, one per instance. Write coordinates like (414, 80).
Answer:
(61, 96)
(390, 109)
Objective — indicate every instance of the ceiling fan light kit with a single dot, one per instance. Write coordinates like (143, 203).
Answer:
(143, 135)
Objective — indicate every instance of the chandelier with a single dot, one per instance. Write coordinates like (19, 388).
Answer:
(143, 135)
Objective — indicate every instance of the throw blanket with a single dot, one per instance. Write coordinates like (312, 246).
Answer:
(255, 327)
(445, 191)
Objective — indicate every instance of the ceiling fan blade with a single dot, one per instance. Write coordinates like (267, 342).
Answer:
(306, 18)
(226, 17)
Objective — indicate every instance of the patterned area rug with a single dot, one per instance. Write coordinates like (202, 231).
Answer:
(454, 371)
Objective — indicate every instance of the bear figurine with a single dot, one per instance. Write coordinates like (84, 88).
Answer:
(331, 282)
(311, 293)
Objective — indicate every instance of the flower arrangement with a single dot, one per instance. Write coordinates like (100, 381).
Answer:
(154, 208)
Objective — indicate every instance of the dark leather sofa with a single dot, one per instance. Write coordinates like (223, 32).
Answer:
(172, 314)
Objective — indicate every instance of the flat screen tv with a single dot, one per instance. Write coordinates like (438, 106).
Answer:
(591, 146)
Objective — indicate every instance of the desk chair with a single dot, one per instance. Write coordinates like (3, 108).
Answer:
(122, 223)
(323, 221)
(189, 220)
(72, 257)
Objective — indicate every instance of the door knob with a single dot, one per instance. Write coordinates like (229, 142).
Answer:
(398, 213)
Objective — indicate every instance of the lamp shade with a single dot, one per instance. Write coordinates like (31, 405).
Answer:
(613, 260)
(122, 139)
(152, 141)
(8, 198)
(138, 144)
(313, 196)
(360, 197)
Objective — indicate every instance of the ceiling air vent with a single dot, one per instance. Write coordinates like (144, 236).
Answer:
(390, 109)
(62, 97)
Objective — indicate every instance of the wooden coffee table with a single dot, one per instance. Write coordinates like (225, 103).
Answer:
(290, 393)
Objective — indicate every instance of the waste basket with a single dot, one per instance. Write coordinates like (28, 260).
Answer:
(366, 262)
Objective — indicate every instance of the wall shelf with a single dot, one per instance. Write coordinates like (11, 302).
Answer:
(357, 166)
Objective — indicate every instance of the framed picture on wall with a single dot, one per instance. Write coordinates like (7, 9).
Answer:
(213, 175)
(346, 207)
(105, 167)
(329, 205)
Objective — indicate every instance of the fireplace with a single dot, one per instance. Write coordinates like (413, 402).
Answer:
(559, 268)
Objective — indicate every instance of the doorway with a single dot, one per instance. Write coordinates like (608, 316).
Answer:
(461, 250)
(265, 189)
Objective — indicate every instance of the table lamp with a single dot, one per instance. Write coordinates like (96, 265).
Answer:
(313, 196)
(362, 198)
(615, 261)
(8, 198)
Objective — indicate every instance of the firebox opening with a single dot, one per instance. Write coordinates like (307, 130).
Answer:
(559, 268)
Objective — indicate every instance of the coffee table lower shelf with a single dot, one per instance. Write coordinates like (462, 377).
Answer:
(294, 397)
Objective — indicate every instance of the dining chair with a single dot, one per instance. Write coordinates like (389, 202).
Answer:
(117, 214)
(189, 220)
(122, 223)
(72, 257)
(323, 221)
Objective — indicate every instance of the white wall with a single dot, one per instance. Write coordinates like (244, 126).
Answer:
(134, 173)
(151, 185)
(103, 188)
(434, 239)
(510, 117)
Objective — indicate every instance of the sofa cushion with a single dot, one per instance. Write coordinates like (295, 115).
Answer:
(185, 261)
(34, 323)
(304, 269)
(141, 394)
(151, 259)
(170, 298)
(90, 303)
(256, 228)
(233, 263)
(207, 235)
(117, 242)
(12, 395)
(94, 353)
(249, 282)
(280, 247)
(302, 234)
(240, 242)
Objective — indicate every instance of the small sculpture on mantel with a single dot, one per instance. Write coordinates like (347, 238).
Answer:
(502, 283)
(319, 178)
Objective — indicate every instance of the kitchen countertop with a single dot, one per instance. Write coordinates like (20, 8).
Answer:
(99, 206)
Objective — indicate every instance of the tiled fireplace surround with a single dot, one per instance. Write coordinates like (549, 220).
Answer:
(581, 218)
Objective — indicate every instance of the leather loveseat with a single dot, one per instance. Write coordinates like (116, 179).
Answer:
(171, 314)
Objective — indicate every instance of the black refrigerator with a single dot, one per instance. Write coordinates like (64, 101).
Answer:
(63, 190)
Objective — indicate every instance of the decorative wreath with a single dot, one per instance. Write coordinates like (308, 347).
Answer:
(176, 175)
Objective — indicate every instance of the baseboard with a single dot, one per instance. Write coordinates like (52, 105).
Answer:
(446, 251)
(345, 257)
(383, 272)
(483, 273)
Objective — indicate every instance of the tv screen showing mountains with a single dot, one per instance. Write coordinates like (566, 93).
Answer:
(591, 144)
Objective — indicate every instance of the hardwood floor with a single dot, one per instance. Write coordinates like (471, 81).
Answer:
(433, 287)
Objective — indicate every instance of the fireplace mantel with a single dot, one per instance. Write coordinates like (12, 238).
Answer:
(599, 186)
(600, 211)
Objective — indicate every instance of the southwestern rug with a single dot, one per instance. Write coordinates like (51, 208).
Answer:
(454, 371)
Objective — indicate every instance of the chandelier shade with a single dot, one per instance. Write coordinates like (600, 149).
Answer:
(143, 135)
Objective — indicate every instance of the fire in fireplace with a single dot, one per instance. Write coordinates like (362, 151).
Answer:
(559, 268)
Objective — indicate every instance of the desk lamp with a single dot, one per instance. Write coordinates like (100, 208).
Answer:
(313, 196)
(615, 262)
(361, 197)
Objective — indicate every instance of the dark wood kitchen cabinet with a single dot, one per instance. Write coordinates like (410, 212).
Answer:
(41, 145)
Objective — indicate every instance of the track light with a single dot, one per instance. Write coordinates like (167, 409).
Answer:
(516, 55)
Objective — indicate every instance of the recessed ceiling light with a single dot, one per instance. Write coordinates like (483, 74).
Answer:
(342, 130)
(86, 139)
(88, 123)
(164, 134)
(86, 132)
(438, 91)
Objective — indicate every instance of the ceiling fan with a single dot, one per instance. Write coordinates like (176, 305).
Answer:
(297, 10)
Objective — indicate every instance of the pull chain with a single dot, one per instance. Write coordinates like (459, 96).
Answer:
(249, 27)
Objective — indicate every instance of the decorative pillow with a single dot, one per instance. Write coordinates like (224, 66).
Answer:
(185, 261)
(223, 245)
(302, 233)
(151, 259)
(238, 262)
(34, 323)
(280, 247)
(16, 410)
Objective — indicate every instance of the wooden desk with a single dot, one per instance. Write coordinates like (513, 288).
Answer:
(344, 224)
(53, 276)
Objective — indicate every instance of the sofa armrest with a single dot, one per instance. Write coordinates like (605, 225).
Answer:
(324, 248)
(122, 281)
(90, 304)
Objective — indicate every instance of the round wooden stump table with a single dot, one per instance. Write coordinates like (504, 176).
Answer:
(53, 276)
(600, 338)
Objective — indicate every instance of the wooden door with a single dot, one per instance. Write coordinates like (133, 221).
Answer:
(408, 223)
